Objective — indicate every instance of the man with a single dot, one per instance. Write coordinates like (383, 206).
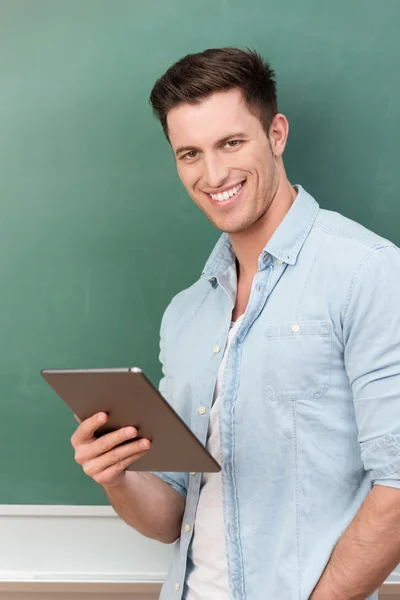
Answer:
(284, 358)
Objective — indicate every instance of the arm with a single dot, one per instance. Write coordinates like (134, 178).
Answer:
(143, 500)
(148, 504)
(369, 549)
(367, 552)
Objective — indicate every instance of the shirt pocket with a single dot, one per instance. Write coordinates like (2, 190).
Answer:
(297, 360)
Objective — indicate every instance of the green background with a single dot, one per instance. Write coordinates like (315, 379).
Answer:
(97, 233)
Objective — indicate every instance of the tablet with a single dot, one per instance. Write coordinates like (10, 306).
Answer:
(129, 398)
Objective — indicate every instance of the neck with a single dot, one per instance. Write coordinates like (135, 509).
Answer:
(249, 244)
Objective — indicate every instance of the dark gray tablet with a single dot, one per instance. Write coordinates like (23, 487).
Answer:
(129, 398)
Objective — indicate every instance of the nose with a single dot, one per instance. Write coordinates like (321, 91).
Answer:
(215, 172)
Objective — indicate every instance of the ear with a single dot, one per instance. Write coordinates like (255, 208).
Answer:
(278, 133)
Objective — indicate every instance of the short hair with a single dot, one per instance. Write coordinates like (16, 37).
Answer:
(195, 77)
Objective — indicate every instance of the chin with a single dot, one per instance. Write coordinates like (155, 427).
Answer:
(231, 223)
(232, 227)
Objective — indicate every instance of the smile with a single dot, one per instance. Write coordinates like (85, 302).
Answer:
(226, 194)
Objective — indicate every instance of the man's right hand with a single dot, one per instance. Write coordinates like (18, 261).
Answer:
(100, 458)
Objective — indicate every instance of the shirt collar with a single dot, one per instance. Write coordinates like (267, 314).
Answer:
(286, 242)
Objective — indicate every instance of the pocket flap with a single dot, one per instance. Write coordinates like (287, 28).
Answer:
(297, 328)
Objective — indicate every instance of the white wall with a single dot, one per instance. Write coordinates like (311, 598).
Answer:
(81, 550)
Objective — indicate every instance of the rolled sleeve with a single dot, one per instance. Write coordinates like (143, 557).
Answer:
(393, 483)
(371, 327)
(176, 480)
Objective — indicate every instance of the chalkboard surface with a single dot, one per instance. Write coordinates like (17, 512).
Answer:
(97, 233)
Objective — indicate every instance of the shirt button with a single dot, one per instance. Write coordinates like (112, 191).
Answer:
(216, 349)
(187, 528)
(295, 328)
(202, 410)
(177, 587)
(194, 473)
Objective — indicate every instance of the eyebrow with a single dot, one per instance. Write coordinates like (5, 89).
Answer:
(220, 142)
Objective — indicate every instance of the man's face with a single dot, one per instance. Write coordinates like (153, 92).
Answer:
(224, 159)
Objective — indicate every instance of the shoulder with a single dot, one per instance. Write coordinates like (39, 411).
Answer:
(348, 242)
(183, 307)
(346, 231)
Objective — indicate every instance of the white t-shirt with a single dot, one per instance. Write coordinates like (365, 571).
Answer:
(209, 577)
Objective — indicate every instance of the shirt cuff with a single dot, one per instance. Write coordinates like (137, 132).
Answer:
(393, 483)
(174, 484)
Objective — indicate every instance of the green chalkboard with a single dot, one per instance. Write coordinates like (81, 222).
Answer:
(96, 231)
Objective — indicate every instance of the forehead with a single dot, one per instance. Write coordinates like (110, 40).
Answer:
(214, 118)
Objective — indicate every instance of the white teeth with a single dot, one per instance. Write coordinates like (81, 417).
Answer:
(226, 195)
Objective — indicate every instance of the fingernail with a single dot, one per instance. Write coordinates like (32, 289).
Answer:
(100, 418)
(144, 444)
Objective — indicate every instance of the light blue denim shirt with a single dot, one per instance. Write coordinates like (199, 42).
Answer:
(310, 402)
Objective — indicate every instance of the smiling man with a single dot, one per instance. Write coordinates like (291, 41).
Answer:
(283, 358)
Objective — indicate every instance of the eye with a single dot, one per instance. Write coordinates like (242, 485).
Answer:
(190, 155)
(232, 143)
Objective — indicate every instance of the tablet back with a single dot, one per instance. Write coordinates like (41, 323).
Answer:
(129, 398)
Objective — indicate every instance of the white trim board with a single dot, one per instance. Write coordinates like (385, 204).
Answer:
(74, 587)
(119, 579)
(76, 544)
(39, 510)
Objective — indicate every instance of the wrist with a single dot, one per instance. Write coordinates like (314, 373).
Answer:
(326, 590)
(117, 484)
(319, 594)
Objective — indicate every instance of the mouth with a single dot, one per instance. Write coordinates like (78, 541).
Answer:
(228, 197)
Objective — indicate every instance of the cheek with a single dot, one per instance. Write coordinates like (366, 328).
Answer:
(188, 177)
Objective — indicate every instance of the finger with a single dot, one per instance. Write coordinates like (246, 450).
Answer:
(111, 473)
(115, 456)
(88, 427)
(97, 447)
(110, 440)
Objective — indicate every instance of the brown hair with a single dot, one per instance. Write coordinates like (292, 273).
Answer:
(196, 76)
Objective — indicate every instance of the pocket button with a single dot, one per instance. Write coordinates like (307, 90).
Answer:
(295, 328)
